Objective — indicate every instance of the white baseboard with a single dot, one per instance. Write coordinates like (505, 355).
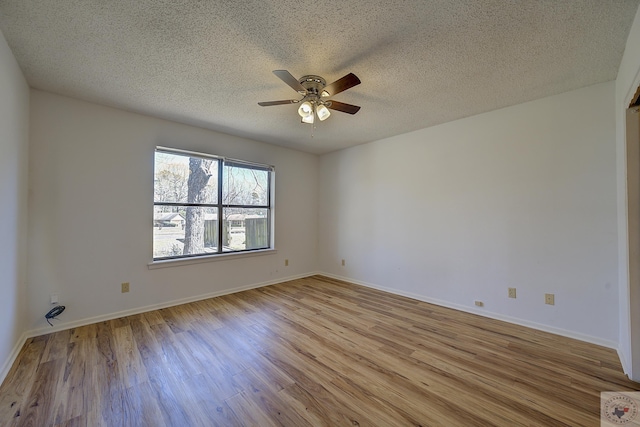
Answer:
(6, 367)
(489, 314)
(12, 357)
(90, 320)
(626, 364)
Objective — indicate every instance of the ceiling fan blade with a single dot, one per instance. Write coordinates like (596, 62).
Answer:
(342, 84)
(286, 77)
(269, 103)
(345, 108)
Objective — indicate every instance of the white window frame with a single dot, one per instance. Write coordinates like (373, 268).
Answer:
(221, 253)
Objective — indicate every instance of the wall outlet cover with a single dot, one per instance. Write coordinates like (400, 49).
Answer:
(550, 299)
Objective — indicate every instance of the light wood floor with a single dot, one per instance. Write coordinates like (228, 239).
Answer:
(314, 351)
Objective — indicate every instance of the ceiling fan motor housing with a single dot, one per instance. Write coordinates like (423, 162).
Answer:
(313, 84)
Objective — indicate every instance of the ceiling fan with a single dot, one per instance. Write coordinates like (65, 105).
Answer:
(315, 95)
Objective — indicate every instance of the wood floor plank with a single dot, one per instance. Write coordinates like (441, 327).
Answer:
(83, 333)
(267, 398)
(213, 368)
(20, 379)
(68, 402)
(130, 365)
(56, 347)
(91, 398)
(313, 351)
(210, 402)
(311, 408)
(249, 411)
(39, 410)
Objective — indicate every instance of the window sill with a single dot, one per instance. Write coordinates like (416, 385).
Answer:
(208, 258)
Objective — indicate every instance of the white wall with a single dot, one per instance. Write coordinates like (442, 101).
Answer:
(520, 197)
(91, 179)
(626, 84)
(14, 142)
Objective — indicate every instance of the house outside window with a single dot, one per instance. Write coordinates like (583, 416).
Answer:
(207, 205)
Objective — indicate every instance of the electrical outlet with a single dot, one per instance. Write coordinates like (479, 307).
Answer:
(286, 262)
(479, 303)
(550, 299)
(125, 287)
(54, 299)
(343, 263)
(512, 292)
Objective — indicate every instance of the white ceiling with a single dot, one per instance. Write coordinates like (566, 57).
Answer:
(421, 62)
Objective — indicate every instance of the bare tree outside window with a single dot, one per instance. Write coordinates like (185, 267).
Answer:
(170, 181)
(199, 175)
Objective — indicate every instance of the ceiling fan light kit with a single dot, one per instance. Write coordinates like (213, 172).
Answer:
(315, 93)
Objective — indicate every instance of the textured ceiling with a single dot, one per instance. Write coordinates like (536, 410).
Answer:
(421, 62)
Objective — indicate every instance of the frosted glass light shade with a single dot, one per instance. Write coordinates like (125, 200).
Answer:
(305, 109)
(323, 112)
(308, 118)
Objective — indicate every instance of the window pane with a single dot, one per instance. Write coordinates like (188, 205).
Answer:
(182, 230)
(171, 179)
(244, 185)
(200, 209)
(245, 228)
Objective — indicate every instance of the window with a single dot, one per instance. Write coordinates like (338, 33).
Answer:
(205, 205)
